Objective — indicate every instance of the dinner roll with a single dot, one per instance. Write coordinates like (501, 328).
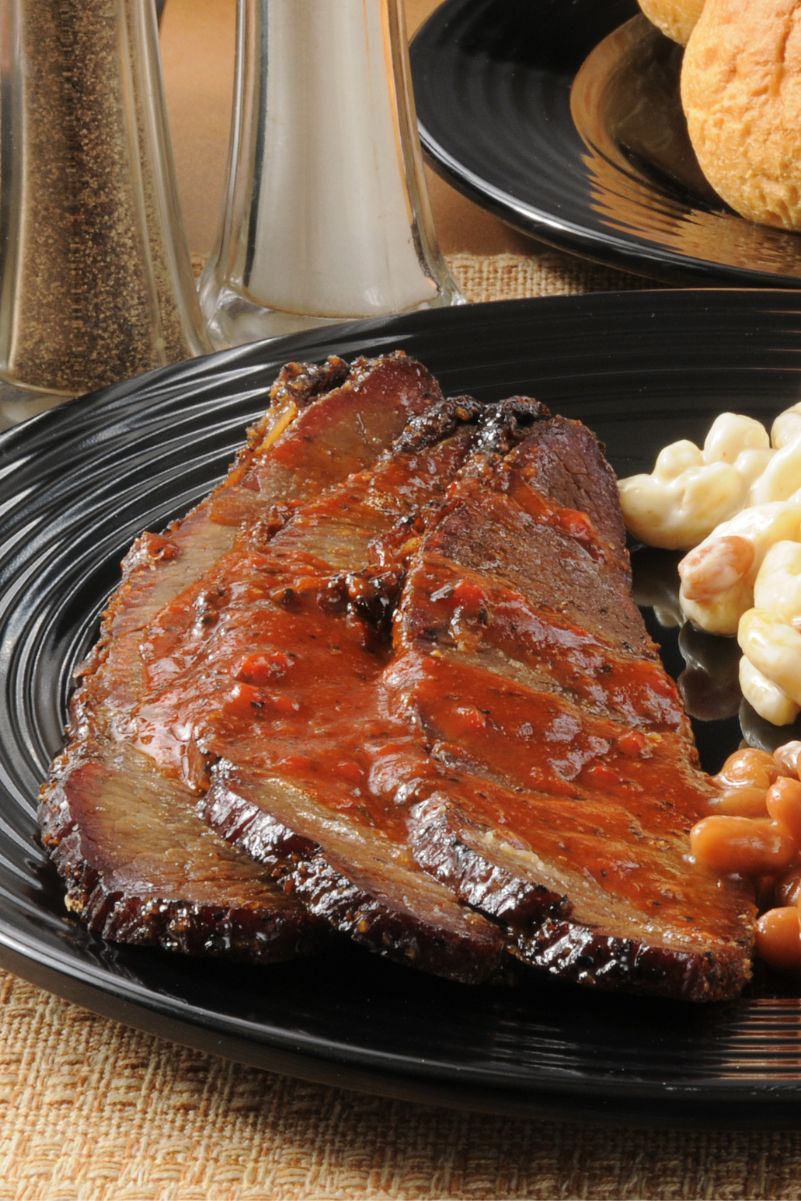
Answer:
(741, 92)
(676, 18)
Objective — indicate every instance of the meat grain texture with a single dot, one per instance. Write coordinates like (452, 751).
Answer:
(394, 664)
(138, 865)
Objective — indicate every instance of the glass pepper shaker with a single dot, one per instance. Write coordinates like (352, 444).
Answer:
(95, 279)
(326, 215)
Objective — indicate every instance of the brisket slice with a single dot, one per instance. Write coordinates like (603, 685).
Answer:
(138, 865)
(140, 868)
(524, 743)
(569, 778)
(279, 689)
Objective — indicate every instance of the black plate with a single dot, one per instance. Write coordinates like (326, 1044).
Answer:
(78, 483)
(563, 118)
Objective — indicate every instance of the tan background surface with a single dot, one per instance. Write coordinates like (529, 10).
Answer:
(91, 1111)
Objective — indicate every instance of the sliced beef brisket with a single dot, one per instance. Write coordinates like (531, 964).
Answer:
(569, 776)
(279, 690)
(394, 662)
(530, 751)
(138, 865)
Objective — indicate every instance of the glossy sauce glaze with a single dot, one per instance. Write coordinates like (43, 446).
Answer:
(529, 703)
(274, 659)
(138, 865)
(574, 740)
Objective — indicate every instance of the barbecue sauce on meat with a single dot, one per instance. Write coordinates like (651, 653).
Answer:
(571, 772)
(293, 687)
(412, 685)
(277, 658)
(272, 661)
(138, 865)
(552, 726)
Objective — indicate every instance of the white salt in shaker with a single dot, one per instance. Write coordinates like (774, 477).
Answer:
(326, 216)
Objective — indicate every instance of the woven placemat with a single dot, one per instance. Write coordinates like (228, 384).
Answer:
(545, 273)
(92, 1111)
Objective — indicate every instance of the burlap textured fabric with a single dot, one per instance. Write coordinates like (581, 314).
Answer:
(92, 1111)
(547, 273)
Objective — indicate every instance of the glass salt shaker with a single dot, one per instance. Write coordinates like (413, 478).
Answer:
(95, 278)
(326, 215)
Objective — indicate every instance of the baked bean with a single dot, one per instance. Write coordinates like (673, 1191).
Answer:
(788, 758)
(754, 830)
(740, 802)
(778, 937)
(787, 889)
(783, 802)
(748, 846)
(748, 767)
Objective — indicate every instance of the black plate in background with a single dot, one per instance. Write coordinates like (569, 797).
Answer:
(78, 483)
(563, 118)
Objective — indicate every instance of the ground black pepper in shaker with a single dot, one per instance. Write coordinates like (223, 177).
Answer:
(95, 279)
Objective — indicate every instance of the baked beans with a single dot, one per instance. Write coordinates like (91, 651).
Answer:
(748, 768)
(747, 801)
(778, 937)
(754, 829)
(787, 889)
(749, 846)
(783, 802)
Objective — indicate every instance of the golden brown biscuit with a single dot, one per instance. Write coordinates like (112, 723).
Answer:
(741, 92)
(676, 18)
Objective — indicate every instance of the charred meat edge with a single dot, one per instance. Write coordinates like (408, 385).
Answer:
(545, 929)
(331, 864)
(136, 912)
